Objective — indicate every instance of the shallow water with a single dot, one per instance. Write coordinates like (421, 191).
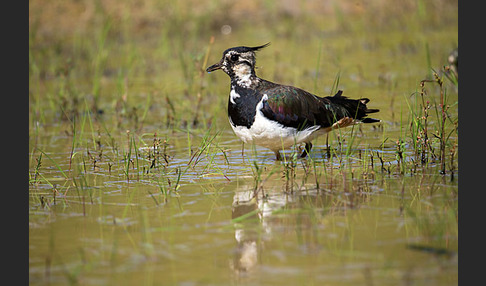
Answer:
(379, 227)
(130, 192)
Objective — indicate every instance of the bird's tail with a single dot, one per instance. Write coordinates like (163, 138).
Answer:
(355, 108)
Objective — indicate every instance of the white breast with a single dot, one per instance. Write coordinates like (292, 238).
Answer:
(271, 134)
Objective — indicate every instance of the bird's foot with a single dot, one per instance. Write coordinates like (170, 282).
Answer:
(308, 147)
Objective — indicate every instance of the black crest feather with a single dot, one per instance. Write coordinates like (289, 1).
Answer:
(260, 47)
(244, 49)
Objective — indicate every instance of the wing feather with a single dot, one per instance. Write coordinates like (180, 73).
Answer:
(297, 108)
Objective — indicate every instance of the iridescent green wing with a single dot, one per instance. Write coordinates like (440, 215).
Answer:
(297, 108)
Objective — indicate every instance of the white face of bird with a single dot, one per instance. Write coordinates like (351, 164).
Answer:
(241, 65)
(236, 63)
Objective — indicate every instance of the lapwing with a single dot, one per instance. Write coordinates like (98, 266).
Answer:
(277, 116)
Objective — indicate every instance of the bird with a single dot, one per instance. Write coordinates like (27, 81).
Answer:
(278, 116)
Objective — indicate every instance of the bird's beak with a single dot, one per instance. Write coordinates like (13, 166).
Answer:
(214, 67)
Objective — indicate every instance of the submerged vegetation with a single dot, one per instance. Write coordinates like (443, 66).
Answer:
(135, 175)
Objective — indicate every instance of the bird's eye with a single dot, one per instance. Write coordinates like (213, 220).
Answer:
(234, 57)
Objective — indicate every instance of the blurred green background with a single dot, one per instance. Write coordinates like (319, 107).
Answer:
(120, 56)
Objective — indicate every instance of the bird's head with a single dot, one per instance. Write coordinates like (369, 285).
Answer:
(238, 62)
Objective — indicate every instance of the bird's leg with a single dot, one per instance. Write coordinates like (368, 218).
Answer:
(307, 148)
(277, 156)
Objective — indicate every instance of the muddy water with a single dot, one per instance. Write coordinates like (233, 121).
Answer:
(357, 227)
